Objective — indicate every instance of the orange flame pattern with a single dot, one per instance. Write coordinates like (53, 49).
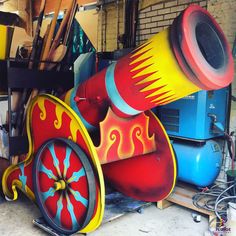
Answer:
(124, 138)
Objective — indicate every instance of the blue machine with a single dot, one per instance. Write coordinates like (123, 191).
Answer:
(198, 163)
(192, 123)
(192, 117)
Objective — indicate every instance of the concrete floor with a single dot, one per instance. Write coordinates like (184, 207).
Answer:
(16, 219)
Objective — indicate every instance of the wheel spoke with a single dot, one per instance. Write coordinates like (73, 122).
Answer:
(67, 160)
(76, 176)
(78, 197)
(55, 160)
(46, 171)
(59, 209)
(47, 194)
(70, 208)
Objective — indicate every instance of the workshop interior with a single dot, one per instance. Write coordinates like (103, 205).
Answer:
(108, 98)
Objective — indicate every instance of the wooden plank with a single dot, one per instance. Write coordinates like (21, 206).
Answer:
(187, 202)
(50, 5)
(182, 195)
(163, 204)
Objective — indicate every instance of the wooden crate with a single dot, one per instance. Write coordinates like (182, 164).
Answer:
(182, 195)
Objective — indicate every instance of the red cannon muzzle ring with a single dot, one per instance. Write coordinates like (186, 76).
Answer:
(201, 49)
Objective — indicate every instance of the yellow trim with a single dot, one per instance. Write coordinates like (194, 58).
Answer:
(67, 97)
(3, 42)
(95, 221)
(6, 191)
(17, 184)
(171, 150)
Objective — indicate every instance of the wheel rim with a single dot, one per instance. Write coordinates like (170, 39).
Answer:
(64, 185)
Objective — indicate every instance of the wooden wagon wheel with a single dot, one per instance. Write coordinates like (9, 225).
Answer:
(64, 185)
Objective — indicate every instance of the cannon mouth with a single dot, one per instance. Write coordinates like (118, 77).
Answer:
(210, 45)
(201, 49)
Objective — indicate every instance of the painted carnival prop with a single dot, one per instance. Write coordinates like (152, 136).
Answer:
(105, 126)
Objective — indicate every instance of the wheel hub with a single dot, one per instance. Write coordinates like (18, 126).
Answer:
(60, 185)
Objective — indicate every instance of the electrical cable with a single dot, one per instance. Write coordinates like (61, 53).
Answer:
(231, 148)
(218, 200)
(211, 199)
(221, 200)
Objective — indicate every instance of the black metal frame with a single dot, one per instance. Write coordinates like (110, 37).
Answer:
(16, 76)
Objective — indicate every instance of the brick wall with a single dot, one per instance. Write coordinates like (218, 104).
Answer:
(107, 21)
(157, 17)
(224, 12)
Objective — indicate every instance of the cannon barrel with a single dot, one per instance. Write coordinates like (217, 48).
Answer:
(189, 56)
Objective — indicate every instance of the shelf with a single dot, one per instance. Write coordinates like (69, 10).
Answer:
(15, 76)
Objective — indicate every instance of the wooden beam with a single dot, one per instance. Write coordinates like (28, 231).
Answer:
(50, 5)
(25, 13)
(23, 8)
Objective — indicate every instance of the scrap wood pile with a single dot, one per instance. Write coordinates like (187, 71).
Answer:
(47, 53)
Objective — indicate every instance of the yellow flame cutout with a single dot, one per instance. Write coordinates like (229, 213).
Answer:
(73, 130)
(58, 121)
(150, 139)
(43, 113)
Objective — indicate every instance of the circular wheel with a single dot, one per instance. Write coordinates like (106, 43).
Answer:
(64, 185)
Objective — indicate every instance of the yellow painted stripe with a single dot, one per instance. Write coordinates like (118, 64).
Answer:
(3, 42)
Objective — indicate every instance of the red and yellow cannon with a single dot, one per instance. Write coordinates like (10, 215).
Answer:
(104, 128)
